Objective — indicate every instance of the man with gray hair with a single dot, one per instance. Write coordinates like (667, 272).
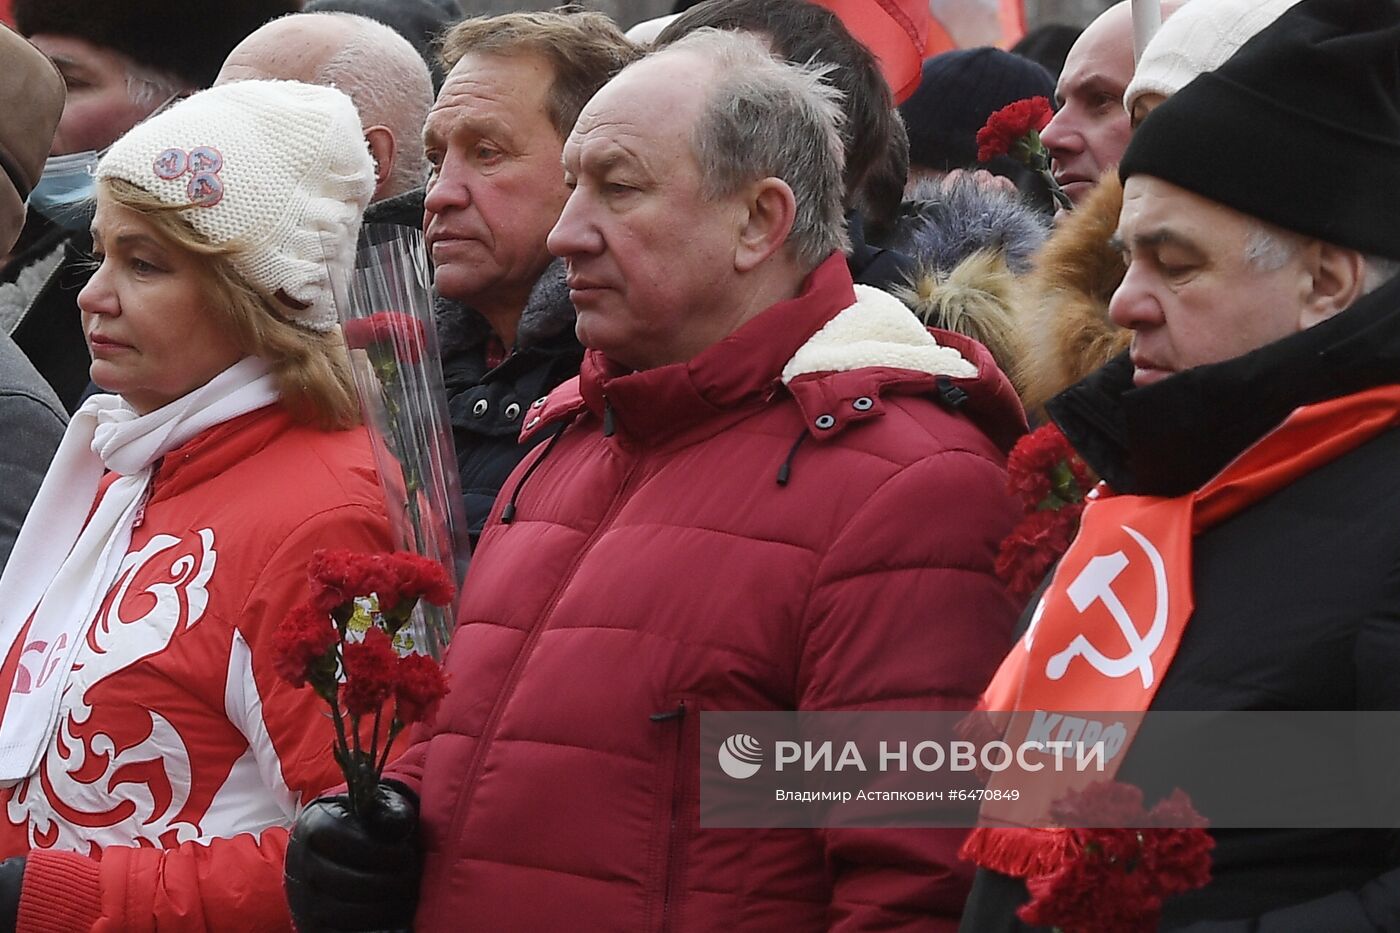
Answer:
(375, 66)
(729, 514)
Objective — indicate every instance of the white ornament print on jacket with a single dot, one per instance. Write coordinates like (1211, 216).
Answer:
(88, 793)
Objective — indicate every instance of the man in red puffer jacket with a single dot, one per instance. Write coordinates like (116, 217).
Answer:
(768, 489)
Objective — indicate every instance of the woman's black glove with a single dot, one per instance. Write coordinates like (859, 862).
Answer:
(11, 882)
(344, 873)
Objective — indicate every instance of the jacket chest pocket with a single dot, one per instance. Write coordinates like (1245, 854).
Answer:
(677, 809)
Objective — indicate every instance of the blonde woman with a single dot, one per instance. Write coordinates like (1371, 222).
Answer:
(149, 755)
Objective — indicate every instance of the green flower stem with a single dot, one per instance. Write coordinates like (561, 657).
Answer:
(1056, 191)
(395, 727)
(387, 370)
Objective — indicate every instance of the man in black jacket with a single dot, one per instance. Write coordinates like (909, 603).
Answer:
(1265, 310)
(494, 139)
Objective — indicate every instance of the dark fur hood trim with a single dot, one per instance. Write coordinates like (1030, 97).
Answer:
(548, 313)
(941, 225)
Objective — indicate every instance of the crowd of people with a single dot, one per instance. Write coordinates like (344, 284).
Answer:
(735, 348)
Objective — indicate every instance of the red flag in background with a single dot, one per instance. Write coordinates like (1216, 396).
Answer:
(901, 33)
(1012, 16)
(973, 23)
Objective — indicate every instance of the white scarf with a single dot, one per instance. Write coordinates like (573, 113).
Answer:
(60, 570)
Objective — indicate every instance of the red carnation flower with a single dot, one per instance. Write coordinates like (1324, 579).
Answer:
(303, 638)
(395, 331)
(420, 687)
(1014, 131)
(1005, 128)
(338, 576)
(1110, 804)
(1091, 893)
(1119, 874)
(422, 579)
(1043, 465)
(371, 669)
(1028, 553)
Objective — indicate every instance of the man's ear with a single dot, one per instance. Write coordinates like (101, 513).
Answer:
(1337, 278)
(382, 148)
(770, 210)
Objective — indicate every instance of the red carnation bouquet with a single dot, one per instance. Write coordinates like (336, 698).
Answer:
(1014, 131)
(386, 310)
(348, 640)
(1122, 861)
(1051, 480)
(387, 336)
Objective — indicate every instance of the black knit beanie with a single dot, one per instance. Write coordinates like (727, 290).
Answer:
(959, 90)
(189, 38)
(1301, 127)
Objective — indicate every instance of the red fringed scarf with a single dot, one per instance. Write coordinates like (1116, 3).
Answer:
(1108, 626)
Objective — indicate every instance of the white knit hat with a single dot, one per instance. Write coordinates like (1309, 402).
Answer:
(1196, 39)
(278, 171)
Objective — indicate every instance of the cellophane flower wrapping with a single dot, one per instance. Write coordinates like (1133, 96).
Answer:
(386, 312)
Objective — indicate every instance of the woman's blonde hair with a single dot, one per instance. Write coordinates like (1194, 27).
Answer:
(312, 368)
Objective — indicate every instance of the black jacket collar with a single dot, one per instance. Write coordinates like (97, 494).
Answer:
(1169, 438)
(547, 319)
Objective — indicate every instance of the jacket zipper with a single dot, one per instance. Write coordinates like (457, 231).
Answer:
(673, 853)
(508, 688)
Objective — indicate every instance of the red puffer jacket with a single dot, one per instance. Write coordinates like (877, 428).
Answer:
(677, 549)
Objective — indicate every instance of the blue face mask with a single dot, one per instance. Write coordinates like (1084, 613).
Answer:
(65, 190)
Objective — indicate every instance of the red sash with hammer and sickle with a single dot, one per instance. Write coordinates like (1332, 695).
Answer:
(1107, 628)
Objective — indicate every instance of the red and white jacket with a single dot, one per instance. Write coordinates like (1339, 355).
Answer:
(180, 756)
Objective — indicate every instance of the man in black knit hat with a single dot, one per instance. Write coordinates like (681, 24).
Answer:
(121, 60)
(1249, 439)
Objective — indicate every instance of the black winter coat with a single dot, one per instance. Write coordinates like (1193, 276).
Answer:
(1297, 602)
(488, 405)
(49, 328)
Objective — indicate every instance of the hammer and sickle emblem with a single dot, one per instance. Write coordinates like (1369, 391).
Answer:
(1094, 584)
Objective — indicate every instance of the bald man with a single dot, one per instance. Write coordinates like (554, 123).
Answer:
(380, 70)
(1090, 130)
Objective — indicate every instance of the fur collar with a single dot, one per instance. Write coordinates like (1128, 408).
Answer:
(17, 296)
(943, 224)
(968, 245)
(548, 313)
(877, 330)
(1063, 321)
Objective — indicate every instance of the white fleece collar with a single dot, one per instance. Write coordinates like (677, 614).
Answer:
(878, 330)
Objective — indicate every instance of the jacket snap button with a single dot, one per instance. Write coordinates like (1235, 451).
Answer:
(512, 411)
(480, 407)
(825, 421)
(539, 402)
(864, 403)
